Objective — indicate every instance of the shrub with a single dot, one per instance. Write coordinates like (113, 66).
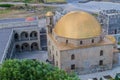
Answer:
(32, 70)
(6, 5)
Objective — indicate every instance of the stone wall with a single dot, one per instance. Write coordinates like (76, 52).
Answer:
(87, 58)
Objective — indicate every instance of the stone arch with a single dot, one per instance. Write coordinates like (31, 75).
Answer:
(24, 36)
(34, 46)
(17, 48)
(16, 36)
(33, 35)
(25, 47)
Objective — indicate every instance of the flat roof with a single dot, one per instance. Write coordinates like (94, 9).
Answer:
(10, 20)
(93, 6)
(5, 35)
(62, 45)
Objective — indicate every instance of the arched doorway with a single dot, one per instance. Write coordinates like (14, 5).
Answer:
(115, 31)
(25, 47)
(16, 36)
(17, 48)
(33, 35)
(34, 46)
(24, 36)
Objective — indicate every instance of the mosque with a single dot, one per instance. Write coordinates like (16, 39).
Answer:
(76, 42)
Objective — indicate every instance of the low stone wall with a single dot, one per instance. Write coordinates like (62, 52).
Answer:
(17, 24)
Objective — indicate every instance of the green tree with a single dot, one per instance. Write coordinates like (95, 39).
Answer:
(32, 70)
(117, 77)
(26, 3)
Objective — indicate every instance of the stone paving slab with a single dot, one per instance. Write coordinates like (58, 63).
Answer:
(39, 55)
(98, 75)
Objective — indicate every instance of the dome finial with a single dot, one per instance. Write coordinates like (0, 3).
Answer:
(49, 13)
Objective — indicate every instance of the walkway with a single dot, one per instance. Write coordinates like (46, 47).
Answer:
(39, 55)
(98, 75)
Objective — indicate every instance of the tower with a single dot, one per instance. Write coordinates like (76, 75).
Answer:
(49, 21)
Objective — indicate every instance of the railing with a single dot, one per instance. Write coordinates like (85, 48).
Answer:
(24, 39)
(33, 38)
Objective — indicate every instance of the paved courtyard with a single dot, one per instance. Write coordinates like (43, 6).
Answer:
(42, 56)
(39, 55)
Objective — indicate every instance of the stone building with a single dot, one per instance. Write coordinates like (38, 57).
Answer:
(21, 35)
(110, 21)
(76, 43)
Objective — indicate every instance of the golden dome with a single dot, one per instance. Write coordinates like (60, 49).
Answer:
(78, 25)
(48, 14)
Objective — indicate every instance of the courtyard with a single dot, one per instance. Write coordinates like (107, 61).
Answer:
(38, 55)
(98, 75)
(42, 56)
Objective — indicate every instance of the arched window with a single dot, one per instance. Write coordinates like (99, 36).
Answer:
(72, 66)
(16, 36)
(33, 34)
(92, 40)
(101, 53)
(24, 36)
(66, 41)
(81, 42)
(101, 62)
(17, 48)
(25, 47)
(34, 46)
(72, 57)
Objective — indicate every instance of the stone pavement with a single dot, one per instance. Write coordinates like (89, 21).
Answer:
(39, 55)
(42, 56)
(98, 75)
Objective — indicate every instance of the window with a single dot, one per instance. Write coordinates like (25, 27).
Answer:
(101, 62)
(101, 53)
(72, 57)
(50, 53)
(72, 66)
(92, 40)
(35, 34)
(50, 20)
(56, 53)
(81, 42)
(26, 35)
(115, 31)
(56, 63)
(66, 41)
(16, 36)
(52, 47)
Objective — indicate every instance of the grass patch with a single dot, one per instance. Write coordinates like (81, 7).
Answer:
(29, 1)
(118, 43)
(5, 11)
